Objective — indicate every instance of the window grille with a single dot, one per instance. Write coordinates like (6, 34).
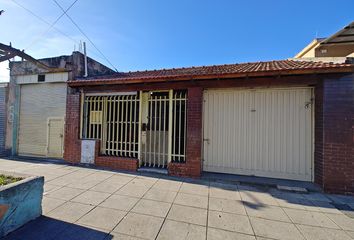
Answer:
(113, 120)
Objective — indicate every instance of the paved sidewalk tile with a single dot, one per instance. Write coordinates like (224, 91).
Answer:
(103, 218)
(268, 212)
(65, 193)
(231, 194)
(70, 211)
(226, 205)
(48, 204)
(295, 203)
(160, 195)
(229, 222)
(193, 188)
(50, 188)
(310, 218)
(107, 187)
(258, 198)
(275, 230)
(218, 234)
(144, 182)
(188, 214)
(315, 233)
(120, 236)
(133, 190)
(153, 208)
(120, 179)
(343, 221)
(120, 202)
(172, 230)
(191, 200)
(91, 197)
(324, 207)
(167, 185)
(350, 234)
(138, 225)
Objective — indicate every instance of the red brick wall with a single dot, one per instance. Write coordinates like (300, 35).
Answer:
(72, 143)
(117, 163)
(338, 135)
(193, 165)
(318, 168)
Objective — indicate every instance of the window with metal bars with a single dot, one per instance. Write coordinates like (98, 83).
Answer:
(115, 121)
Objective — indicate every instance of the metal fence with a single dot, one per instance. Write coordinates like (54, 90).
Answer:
(179, 126)
(115, 120)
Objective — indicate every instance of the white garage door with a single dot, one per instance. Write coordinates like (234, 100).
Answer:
(263, 132)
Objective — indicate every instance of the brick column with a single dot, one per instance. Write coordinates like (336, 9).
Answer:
(319, 134)
(193, 165)
(336, 143)
(72, 142)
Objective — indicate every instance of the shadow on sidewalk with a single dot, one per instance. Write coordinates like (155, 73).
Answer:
(45, 228)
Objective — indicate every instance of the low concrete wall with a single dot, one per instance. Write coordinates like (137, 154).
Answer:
(20, 202)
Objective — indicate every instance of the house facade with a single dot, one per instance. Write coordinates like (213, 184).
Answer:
(281, 119)
(336, 48)
(37, 102)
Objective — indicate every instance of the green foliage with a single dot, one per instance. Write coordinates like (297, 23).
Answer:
(8, 179)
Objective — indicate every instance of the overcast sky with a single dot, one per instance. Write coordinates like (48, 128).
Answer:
(152, 34)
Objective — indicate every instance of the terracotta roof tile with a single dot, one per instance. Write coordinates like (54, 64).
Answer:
(285, 67)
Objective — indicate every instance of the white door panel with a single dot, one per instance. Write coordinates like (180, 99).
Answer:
(55, 137)
(263, 132)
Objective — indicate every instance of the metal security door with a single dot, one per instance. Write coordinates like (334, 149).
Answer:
(155, 129)
(164, 126)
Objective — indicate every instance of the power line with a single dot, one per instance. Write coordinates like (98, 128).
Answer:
(45, 21)
(52, 25)
(83, 33)
(55, 28)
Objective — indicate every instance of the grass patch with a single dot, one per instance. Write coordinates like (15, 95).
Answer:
(8, 179)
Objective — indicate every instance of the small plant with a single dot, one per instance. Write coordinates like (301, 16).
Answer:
(8, 179)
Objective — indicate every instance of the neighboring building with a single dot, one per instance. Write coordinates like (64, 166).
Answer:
(3, 116)
(280, 119)
(37, 101)
(335, 48)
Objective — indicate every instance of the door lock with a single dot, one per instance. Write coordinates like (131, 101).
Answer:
(206, 140)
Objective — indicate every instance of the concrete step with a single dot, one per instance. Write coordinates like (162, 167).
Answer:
(153, 170)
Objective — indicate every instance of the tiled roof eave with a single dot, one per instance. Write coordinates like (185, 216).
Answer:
(344, 68)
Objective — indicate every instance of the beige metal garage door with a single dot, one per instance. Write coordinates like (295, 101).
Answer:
(263, 132)
(39, 102)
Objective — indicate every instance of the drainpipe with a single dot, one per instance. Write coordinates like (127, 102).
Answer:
(86, 72)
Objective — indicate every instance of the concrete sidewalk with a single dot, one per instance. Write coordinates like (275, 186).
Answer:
(87, 203)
